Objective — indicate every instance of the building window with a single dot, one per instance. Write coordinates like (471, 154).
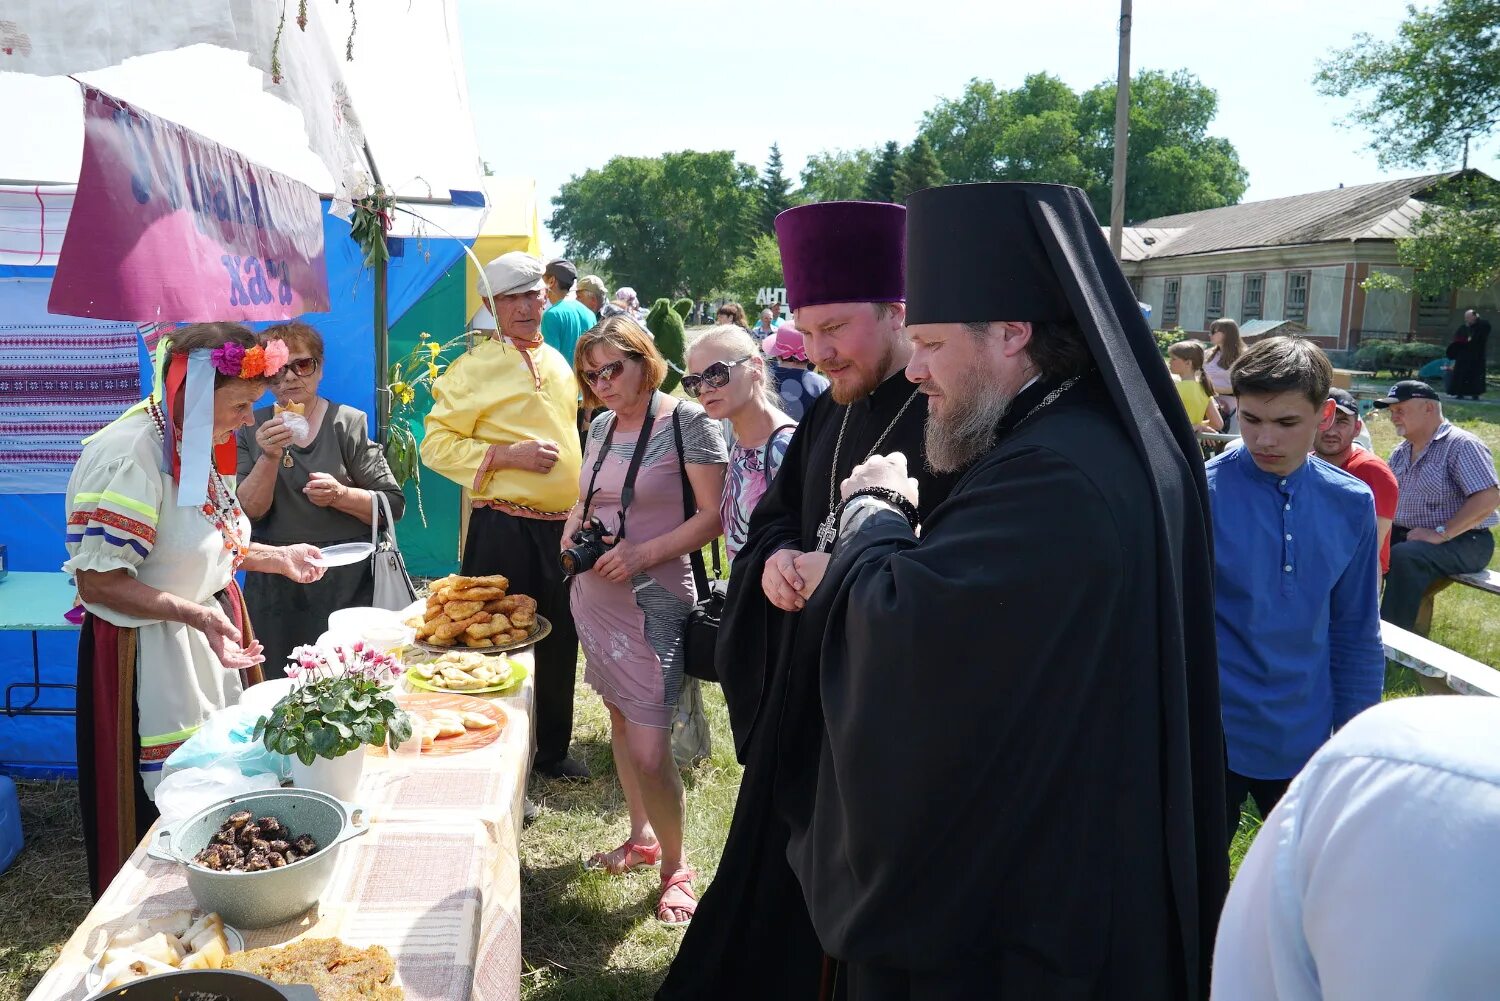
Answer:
(1297, 283)
(1171, 295)
(1255, 295)
(1214, 301)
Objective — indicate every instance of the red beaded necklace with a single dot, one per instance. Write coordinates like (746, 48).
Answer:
(221, 509)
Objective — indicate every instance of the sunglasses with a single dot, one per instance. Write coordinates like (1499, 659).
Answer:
(716, 376)
(604, 373)
(303, 367)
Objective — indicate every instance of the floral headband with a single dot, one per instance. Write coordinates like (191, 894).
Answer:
(234, 360)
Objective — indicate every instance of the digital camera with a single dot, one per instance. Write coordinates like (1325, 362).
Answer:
(588, 546)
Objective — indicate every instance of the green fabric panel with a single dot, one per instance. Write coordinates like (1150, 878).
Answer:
(431, 551)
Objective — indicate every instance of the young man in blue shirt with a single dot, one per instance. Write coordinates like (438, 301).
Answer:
(1296, 580)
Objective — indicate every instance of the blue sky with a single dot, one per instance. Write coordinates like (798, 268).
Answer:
(566, 88)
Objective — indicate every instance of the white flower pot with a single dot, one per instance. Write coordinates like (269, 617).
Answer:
(338, 777)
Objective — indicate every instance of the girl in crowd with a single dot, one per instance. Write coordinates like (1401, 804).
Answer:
(732, 313)
(729, 377)
(796, 382)
(1185, 359)
(318, 489)
(1224, 333)
(631, 605)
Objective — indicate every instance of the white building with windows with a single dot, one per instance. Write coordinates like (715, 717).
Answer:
(1302, 258)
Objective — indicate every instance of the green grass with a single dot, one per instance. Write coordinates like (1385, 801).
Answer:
(45, 893)
(586, 935)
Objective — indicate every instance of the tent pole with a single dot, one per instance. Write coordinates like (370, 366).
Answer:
(382, 332)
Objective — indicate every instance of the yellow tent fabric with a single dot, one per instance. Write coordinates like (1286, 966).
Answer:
(512, 224)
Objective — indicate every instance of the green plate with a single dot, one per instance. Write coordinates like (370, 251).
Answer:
(517, 675)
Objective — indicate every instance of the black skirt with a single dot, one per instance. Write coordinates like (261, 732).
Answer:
(287, 615)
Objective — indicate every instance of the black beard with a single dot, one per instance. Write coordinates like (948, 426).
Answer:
(968, 425)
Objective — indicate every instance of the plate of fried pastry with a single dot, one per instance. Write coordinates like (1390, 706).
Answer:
(478, 613)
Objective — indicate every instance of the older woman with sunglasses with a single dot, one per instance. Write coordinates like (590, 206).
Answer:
(730, 377)
(631, 605)
(314, 487)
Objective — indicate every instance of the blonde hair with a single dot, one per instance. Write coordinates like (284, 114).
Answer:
(737, 341)
(626, 336)
(1227, 353)
(1192, 353)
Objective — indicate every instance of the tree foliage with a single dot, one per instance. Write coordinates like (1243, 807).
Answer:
(1043, 131)
(1424, 93)
(919, 169)
(1455, 242)
(758, 268)
(669, 224)
(835, 175)
(775, 191)
(880, 185)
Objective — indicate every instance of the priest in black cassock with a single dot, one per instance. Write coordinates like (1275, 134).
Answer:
(844, 266)
(1005, 778)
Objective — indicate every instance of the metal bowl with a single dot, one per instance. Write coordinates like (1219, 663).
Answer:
(271, 896)
(231, 983)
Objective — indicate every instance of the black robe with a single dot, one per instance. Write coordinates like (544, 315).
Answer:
(751, 937)
(988, 817)
(1466, 378)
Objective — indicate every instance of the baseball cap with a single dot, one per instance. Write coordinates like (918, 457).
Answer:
(1343, 401)
(594, 284)
(1408, 389)
(514, 272)
(562, 271)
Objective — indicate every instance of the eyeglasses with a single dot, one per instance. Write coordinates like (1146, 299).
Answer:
(303, 367)
(604, 373)
(716, 376)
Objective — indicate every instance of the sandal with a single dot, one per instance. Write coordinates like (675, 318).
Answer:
(682, 882)
(624, 858)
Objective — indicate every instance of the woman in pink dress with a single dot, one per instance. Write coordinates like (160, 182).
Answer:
(631, 604)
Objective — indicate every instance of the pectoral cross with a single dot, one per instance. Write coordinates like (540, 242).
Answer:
(827, 531)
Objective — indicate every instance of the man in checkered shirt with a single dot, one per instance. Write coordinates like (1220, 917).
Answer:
(1448, 497)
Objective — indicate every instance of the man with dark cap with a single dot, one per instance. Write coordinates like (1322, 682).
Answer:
(844, 267)
(566, 318)
(1005, 779)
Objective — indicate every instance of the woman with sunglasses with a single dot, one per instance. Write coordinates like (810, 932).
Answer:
(631, 606)
(314, 488)
(729, 377)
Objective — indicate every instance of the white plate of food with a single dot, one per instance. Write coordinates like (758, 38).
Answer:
(182, 940)
(344, 554)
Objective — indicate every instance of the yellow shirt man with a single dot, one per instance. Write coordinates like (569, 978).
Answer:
(490, 397)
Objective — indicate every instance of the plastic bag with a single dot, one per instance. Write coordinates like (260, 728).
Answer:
(227, 738)
(302, 434)
(691, 741)
(183, 793)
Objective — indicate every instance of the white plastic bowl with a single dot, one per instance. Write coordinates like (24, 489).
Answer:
(355, 621)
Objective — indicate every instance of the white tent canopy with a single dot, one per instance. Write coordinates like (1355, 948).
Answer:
(406, 85)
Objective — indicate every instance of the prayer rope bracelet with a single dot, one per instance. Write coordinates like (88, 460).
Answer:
(895, 499)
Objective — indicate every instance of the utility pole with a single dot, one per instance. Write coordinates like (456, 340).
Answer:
(1122, 134)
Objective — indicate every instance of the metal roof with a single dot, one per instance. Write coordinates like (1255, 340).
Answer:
(1381, 211)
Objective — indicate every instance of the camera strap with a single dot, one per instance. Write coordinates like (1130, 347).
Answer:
(627, 491)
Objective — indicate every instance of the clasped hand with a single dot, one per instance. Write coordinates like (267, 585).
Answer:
(884, 471)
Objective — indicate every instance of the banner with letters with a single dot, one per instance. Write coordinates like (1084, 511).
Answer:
(169, 226)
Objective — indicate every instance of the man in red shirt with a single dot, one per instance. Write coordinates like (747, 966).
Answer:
(1336, 445)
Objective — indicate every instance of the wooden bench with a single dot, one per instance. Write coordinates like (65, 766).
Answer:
(1484, 580)
(1439, 669)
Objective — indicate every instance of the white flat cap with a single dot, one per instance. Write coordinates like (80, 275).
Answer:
(514, 272)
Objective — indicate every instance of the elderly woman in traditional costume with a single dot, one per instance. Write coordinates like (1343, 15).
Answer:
(154, 537)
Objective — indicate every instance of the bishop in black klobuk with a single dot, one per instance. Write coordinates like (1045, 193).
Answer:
(1004, 778)
(844, 265)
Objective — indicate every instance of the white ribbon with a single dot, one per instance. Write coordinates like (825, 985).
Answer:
(197, 429)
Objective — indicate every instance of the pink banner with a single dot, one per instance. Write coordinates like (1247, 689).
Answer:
(170, 226)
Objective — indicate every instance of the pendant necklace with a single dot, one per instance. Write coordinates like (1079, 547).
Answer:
(829, 528)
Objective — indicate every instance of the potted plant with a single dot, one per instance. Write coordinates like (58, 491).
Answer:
(338, 708)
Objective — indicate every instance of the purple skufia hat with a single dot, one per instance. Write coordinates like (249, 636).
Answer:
(843, 252)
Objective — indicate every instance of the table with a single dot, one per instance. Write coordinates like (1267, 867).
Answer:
(437, 880)
(34, 603)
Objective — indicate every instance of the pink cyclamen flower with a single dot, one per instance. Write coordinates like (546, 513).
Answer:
(276, 356)
(227, 358)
